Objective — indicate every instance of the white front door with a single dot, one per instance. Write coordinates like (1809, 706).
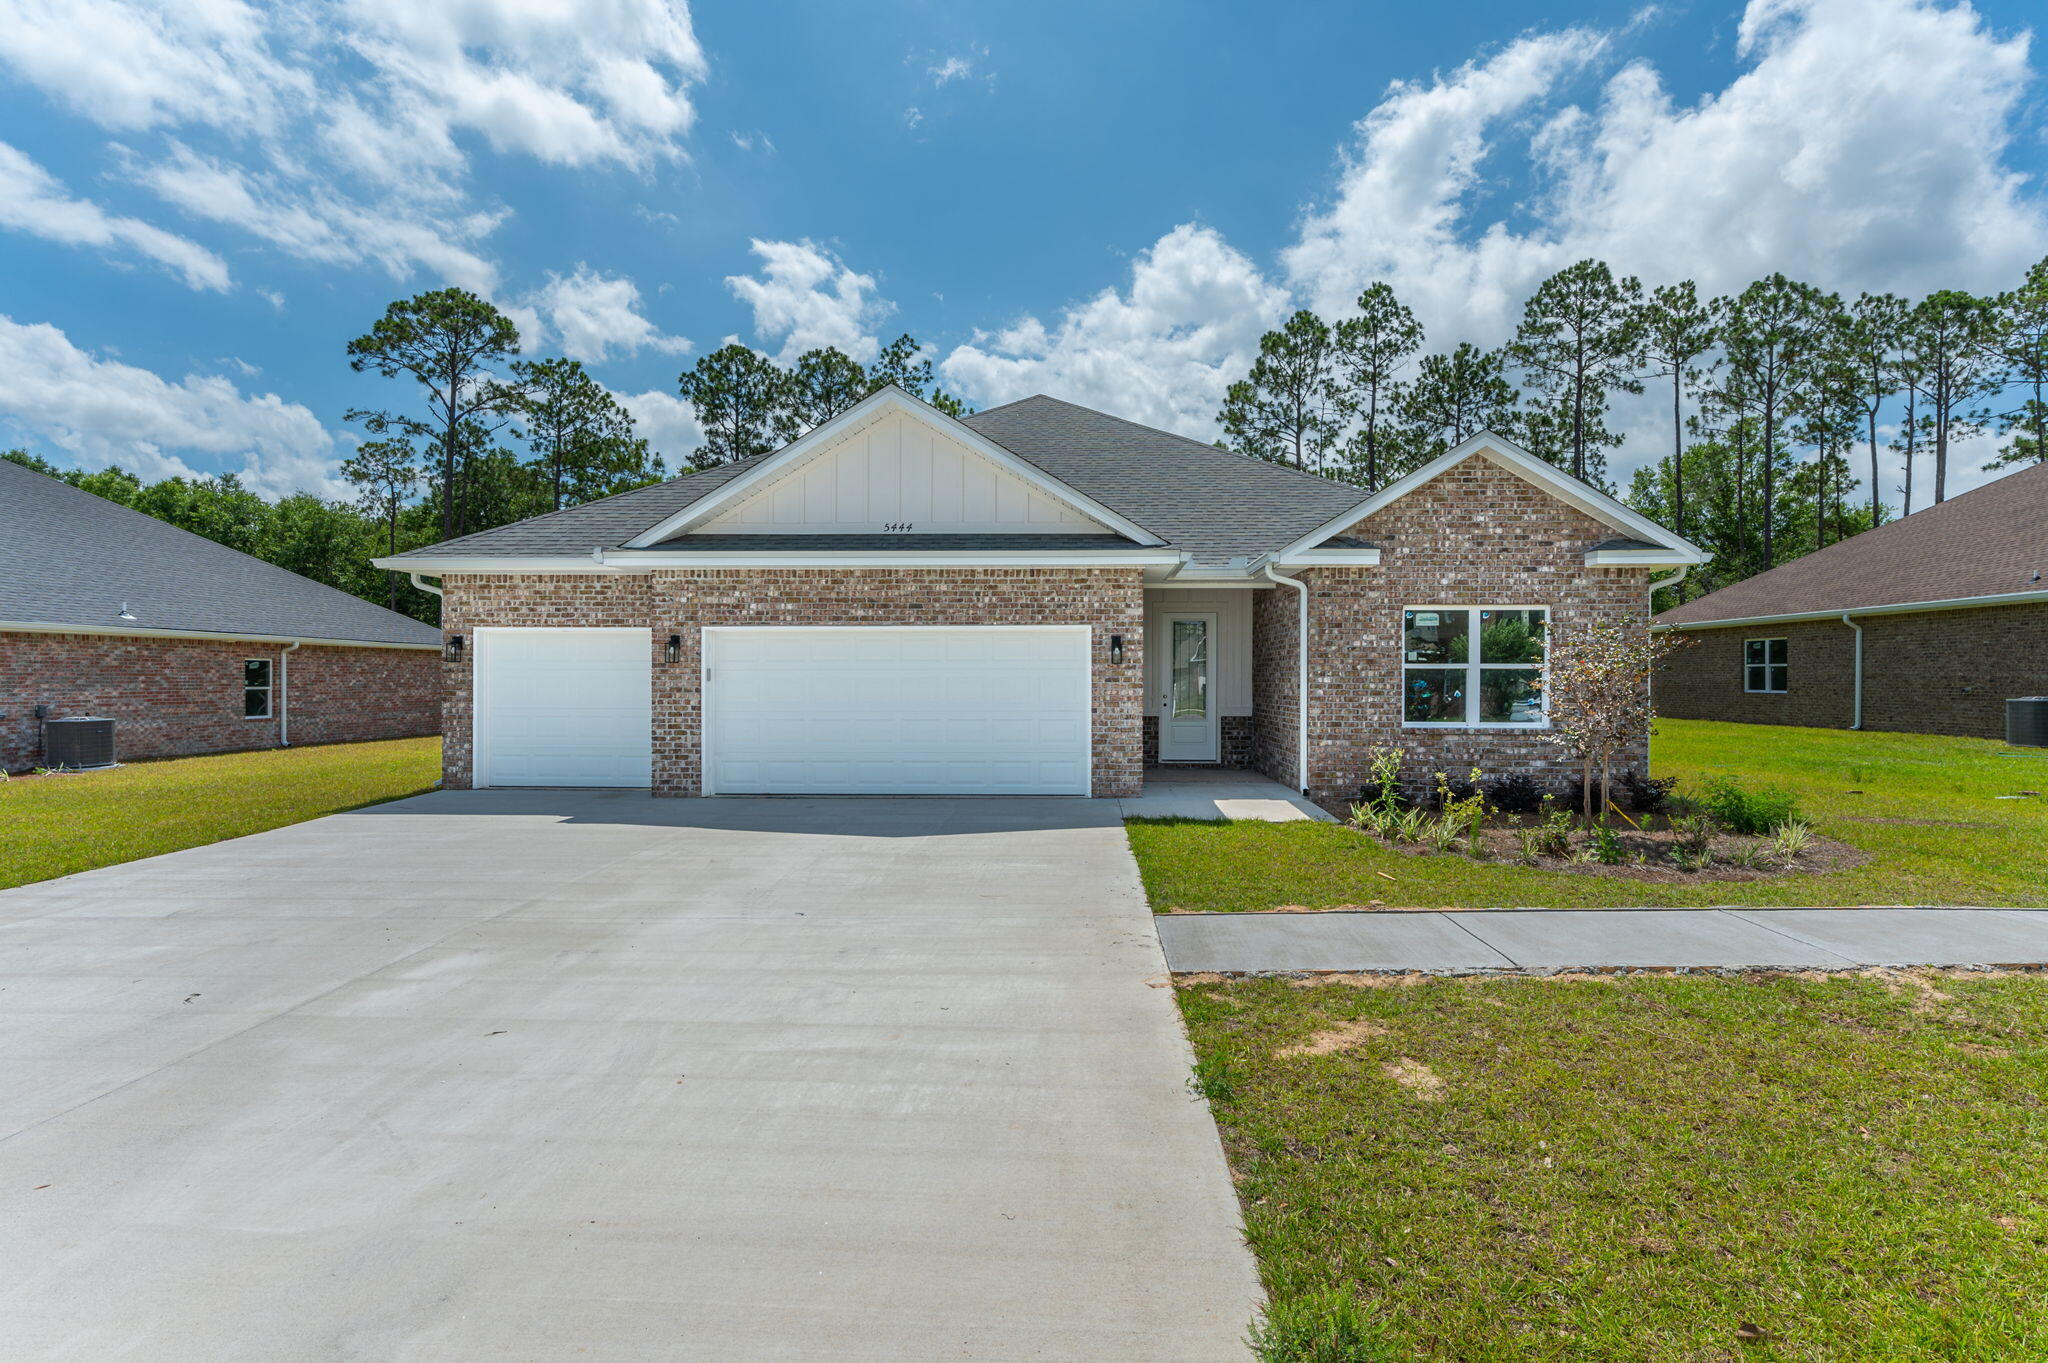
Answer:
(563, 707)
(897, 710)
(1188, 727)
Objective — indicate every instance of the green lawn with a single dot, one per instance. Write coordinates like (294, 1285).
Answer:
(1927, 815)
(1640, 1168)
(56, 825)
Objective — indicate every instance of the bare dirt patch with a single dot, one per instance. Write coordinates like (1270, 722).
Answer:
(1340, 1038)
(1422, 1083)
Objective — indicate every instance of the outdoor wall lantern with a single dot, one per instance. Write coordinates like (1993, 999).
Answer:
(453, 652)
(1116, 648)
(672, 651)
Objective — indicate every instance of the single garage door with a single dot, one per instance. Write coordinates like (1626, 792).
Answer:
(563, 707)
(875, 710)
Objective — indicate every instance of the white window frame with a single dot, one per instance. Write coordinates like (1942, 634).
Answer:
(1766, 665)
(1473, 667)
(269, 688)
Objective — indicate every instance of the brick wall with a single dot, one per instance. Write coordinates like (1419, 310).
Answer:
(1276, 637)
(1477, 535)
(178, 697)
(1928, 672)
(683, 602)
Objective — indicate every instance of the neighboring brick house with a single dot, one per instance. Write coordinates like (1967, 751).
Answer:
(189, 646)
(1926, 625)
(1036, 599)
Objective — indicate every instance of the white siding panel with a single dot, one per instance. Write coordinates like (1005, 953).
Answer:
(1233, 610)
(899, 471)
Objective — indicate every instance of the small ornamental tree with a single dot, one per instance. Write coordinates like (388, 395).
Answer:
(1598, 696)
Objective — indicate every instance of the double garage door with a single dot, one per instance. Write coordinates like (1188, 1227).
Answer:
(860, 710)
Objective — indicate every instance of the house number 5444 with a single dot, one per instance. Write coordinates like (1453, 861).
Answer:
(898, 525)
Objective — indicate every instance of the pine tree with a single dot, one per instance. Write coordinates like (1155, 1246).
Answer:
(1288, 409)
(1372, 350)
(1577, 344)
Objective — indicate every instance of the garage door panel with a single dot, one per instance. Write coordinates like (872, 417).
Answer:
(568, 707)
(897, 711)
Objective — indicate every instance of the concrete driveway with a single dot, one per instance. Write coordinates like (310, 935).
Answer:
(540, 1075)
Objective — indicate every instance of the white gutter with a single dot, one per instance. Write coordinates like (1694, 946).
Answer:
(647, 561)
(1300, 678)
(39, 627)
(1900, 608)
(284, 698)
(421, 585)
(1671, 581)
(1857, 712)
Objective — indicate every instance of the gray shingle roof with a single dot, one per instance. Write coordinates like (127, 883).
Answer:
(70, 558)
(1990, 541)
(1212, 503)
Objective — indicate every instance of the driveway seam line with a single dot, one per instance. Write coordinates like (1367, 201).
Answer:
(1457, 921)
(1790, 935)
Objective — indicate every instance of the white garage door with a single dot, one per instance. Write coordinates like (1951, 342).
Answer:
(563, 707)
(896, 711)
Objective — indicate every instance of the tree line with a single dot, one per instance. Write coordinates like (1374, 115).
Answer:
(1775, 398)
(489, 438)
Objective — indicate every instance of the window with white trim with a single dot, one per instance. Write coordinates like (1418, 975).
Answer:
(1473, 666)
(1764, 665)
(256, 688)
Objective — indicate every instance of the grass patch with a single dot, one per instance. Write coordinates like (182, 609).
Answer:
(1928, 815)
(57, 825)
(1674, 1168)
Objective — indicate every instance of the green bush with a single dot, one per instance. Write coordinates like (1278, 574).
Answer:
(1330, 1326)
(1753, 812)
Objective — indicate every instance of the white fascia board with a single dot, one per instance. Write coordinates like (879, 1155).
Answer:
(483, 563)
(1641, 558)
(1959, 603)
(870, 408)
(618, 561)
(1512, 457)
(35, 627)
(1348, 558)
(647, 560)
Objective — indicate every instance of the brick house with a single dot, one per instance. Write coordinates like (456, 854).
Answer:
(189, 646)
(1036, 599)
(1925, 625)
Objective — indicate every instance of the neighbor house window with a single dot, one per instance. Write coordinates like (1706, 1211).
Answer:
(256, 688)
(1763, 665)
(1472, 665)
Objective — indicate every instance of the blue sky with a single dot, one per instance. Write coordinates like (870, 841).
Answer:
(201, 203)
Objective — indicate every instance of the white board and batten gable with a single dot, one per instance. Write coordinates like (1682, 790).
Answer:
(893, 465)
(895, 473)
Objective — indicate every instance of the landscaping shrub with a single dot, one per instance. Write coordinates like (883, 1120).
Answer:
(1516, 793)
(1330, 1326)
(1642, 793)
(1754, 812)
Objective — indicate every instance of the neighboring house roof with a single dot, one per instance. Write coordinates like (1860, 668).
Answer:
(1156, 491)
(72, 561)
(1989, 543)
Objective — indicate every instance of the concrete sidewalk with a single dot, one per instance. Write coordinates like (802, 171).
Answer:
(1569, 939)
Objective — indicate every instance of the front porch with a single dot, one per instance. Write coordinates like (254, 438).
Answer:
(1218, 793)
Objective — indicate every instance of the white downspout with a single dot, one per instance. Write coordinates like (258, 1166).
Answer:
(421, 585)
(1671, 581)
(1300, 678)
(1856, 721)
(284, 697)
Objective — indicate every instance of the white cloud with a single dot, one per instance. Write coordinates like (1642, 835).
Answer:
(957, 66)
(587, 316)
(1861, 149)
(665, 422)
(103, 411)
(1161, 353)
(33, 201)
(340, 130)
(805, 296)
(912, 116)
